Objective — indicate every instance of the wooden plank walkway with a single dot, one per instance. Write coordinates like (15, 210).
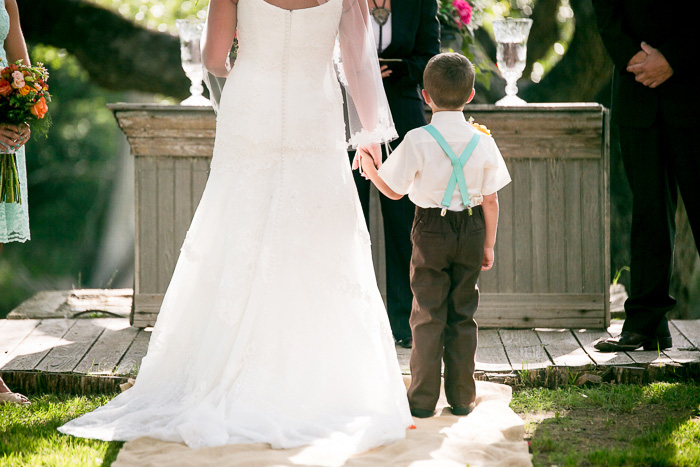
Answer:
(97, 354)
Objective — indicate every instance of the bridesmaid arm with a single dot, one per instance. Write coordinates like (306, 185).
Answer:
(218, 36)
(15, 46)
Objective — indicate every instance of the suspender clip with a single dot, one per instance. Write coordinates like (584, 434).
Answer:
(443, 212)
(469, 208)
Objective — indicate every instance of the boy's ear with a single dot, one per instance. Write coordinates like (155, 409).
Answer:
(471, 96)
(426, 96)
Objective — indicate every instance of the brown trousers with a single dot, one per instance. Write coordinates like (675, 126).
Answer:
(445, 264)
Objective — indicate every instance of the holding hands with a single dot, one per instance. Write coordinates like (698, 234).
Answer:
(367, 156)
(650, 66)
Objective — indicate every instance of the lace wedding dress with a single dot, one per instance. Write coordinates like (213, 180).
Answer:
(272, 329)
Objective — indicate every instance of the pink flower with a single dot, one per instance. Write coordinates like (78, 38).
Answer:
(464, 9)
(18, 80)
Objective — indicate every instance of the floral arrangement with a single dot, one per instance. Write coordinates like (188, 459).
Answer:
(454, 13)
(479, 127)
(24, 98)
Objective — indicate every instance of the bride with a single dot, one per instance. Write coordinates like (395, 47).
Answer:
(272, 329)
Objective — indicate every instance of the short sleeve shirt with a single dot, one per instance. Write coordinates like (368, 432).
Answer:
(420, 168)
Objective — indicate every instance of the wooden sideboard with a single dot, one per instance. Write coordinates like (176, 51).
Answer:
(552, 254)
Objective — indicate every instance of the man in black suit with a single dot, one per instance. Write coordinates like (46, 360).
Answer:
(655, 104)
(414, 40)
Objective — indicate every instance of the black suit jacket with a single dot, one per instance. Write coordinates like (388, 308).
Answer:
(623, 25)
(415, 39)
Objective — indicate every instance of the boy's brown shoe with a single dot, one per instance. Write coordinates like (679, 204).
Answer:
(462, 411)
(420, 413)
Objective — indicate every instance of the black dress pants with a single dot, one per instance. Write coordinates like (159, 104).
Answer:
(659, 162)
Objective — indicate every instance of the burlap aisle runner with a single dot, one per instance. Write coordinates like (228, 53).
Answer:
(492, 435)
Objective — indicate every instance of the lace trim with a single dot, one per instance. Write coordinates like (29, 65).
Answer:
(382, 134)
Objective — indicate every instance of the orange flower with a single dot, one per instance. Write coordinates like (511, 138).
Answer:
(5, 88)
(26, 90)
(40, 108)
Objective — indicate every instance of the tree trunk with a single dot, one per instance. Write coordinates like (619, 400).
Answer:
(116, 53)
(584, 69)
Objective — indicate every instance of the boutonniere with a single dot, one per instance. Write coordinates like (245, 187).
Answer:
(478, 126)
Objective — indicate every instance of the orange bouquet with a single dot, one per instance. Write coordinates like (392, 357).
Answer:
(24, 98)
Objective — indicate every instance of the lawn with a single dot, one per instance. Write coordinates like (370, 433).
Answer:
(654, 425)
(28, 435)
(613, 425)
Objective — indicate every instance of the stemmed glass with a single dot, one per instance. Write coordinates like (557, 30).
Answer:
(190, 38)
(511, 36)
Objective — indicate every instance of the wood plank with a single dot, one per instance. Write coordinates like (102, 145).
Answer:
(146, 246)
(524, 349)
(44, 304)
(28, 354)
(131, 361)
(490, 353)
(587, 338)
(109, 348)
(184, 204)
(504, 265)
(594, 278)
(605, 199)
(690, 330)
(527, 322)
(200, 174)
(556, 221)
(167, 252)
(522, 227)
(152, 146)
(543, 300)
(563, 348)
(573, 228)
(70, 349)
(12, 334)
(538, 220)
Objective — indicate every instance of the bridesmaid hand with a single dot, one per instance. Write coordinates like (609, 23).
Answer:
(14, 136)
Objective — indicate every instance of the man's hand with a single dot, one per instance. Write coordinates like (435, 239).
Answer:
(386, 71)
(638, 58)
(653, 71)
(487, 263)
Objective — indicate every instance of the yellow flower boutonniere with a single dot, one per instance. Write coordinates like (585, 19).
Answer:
(481, 128)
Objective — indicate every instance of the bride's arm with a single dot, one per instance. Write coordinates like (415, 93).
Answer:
(218, 36)
(15, 45)
(369, 116)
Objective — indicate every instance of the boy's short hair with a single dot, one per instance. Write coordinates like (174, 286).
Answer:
(449, 79)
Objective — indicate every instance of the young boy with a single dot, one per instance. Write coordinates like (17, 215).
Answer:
(451, 171)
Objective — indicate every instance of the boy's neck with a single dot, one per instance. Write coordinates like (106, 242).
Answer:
(436, 110)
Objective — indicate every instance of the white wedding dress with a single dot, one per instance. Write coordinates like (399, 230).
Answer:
(272, 329)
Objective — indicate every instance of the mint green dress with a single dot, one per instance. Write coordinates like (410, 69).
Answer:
(14, 218)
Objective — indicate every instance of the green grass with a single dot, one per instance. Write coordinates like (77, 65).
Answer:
(613, 425)
(28, 435)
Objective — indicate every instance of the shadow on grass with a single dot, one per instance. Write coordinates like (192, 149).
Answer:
(655, 425)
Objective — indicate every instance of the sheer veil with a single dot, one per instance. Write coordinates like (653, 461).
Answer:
(368, 115)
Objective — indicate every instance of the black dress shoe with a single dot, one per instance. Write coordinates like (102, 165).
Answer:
(421, 413)
(406, 342)
(628, 341)
(462, 411)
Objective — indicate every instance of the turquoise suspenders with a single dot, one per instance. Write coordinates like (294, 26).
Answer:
(457, 177)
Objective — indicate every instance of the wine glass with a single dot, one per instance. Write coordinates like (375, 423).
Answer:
(511, 37)
(190, 38)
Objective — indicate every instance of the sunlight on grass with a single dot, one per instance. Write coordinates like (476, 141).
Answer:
(28, 435)
(658, 424)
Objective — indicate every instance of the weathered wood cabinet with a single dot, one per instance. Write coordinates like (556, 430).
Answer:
(552, 254)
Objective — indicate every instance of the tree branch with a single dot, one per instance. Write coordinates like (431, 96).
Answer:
(117, 54)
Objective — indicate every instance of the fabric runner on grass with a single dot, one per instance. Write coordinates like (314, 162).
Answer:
(492, 435)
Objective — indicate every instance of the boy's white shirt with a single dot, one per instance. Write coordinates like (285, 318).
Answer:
(420, 168)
